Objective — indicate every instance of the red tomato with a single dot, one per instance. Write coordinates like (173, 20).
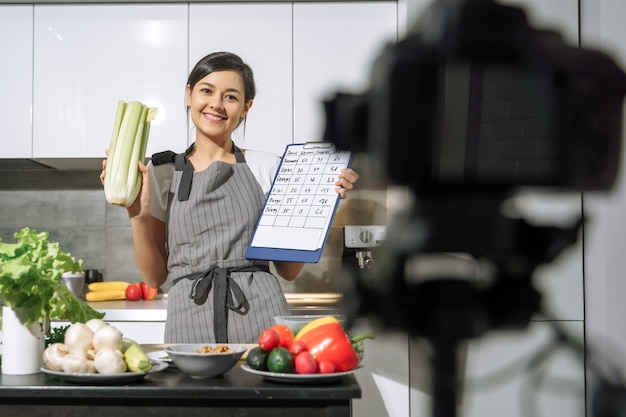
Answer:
(326, 367)
(268, 339)
(297, 347)
(305, 363)
(133, 292)
(147, 292)
(285, 335)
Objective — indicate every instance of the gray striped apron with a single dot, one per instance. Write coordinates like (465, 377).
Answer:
(218, 295)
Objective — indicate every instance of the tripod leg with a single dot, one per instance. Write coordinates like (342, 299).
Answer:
(444, 378)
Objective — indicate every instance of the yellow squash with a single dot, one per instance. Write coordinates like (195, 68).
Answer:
(105, 295)
(108, 286)
(135, 357)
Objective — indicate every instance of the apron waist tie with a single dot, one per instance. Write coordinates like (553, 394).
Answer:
(227, 294)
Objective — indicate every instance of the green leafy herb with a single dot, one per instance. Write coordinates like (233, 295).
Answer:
(30, 279)
(56, 335)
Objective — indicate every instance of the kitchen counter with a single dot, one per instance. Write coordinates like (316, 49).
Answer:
(124, 310)
(156, 310)
(170, 392)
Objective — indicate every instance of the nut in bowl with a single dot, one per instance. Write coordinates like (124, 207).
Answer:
(205, 360)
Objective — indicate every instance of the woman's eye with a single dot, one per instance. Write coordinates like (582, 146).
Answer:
(231, 98)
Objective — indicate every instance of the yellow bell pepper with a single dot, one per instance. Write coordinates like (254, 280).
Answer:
(313, 324)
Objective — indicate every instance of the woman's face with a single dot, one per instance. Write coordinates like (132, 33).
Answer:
(217, 104)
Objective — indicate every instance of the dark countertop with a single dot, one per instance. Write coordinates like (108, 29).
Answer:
(236, 393)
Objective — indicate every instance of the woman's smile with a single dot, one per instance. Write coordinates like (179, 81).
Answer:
(213, 117)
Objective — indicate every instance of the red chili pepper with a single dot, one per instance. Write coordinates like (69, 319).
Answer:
(329, 342)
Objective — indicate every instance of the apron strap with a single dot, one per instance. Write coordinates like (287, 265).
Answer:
(182, 164)
(227, 294)
(238, 154)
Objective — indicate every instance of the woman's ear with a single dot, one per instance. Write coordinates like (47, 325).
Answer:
(246, 108)
(188, 95)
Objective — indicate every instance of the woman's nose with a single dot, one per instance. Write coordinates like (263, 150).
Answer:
(216, 103)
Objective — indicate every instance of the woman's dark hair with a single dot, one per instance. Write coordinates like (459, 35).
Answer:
(224, 61)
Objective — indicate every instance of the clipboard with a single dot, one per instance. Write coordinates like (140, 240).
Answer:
(301, 204)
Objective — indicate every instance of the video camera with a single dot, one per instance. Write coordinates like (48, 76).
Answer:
(475, 97)
(473, 105)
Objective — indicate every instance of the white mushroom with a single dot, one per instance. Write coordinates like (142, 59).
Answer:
(75, 363)
(91, 354)
(53, 356)
(109, 361)
(78, 338)
(95, 324)
(107, 336)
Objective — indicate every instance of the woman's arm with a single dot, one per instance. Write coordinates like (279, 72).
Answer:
(149, 246)
(288, 270)
(148, 236)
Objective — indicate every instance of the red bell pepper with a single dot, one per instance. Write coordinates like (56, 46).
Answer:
(329, 342)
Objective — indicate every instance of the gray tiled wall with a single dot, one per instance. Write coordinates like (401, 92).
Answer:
(70, 205)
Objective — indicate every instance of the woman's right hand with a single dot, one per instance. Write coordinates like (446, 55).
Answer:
(103, 174)
(140, 208)
(141, 205)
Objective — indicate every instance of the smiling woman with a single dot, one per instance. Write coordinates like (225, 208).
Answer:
(197, 210)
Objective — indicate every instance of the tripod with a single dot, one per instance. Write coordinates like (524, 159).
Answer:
(448, 310)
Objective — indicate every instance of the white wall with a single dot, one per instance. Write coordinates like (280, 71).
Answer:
(605, 238)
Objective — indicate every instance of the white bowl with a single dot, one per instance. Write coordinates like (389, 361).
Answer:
(204, 365)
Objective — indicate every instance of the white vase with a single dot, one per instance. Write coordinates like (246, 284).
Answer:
(22, 347)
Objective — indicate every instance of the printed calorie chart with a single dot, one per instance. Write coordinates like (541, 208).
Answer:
(301, 204)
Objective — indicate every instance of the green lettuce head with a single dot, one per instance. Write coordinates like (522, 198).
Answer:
(30, 280)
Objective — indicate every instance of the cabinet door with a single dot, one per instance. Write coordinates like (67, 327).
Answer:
(144, 332)
(539, 382)
(334, 47)
(16, 25)
(88, 57)
(261, 35)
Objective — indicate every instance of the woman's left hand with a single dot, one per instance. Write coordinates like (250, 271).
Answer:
(346, 181)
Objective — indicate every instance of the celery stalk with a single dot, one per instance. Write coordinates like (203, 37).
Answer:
(134, 180)
(128, 146)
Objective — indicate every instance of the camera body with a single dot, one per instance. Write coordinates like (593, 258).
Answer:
(474, 98)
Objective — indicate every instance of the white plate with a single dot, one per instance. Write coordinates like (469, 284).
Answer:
(299, 378)
(95, 378)
(160, 355)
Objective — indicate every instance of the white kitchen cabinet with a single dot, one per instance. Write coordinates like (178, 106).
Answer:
(512, 373)
(550, 386)
(335, 45)
(261, 35)
(88, 57)
(16, 29)
(384, 378)
(145, 332)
